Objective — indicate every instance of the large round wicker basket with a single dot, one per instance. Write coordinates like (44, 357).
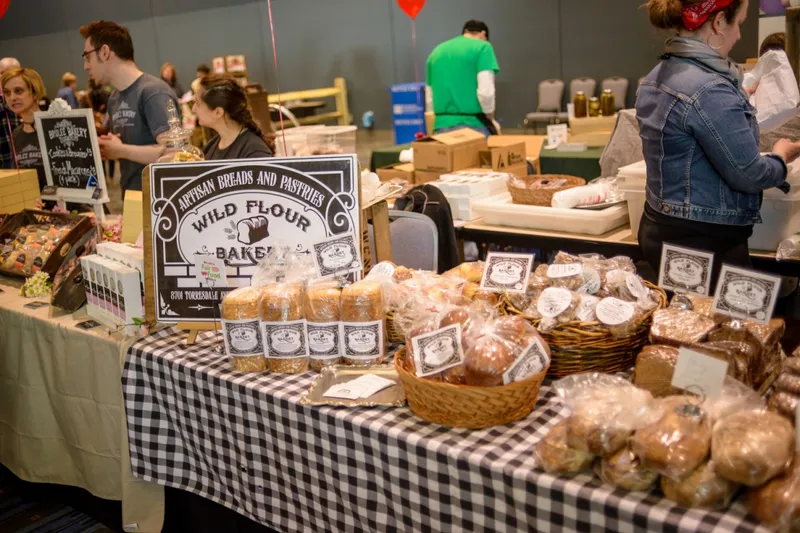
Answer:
(521, 193)
(464, 406)
(578, 347)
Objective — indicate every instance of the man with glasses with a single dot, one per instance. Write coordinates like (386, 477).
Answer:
(8, 120)
(137, 108)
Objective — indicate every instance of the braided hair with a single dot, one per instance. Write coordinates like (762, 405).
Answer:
(222, 90)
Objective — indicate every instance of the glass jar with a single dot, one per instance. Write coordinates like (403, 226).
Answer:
(594, 107)
(177, 141)
(579, 103)
(607, 103)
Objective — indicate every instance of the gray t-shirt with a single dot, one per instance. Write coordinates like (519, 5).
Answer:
(139, 114)
(248, 145)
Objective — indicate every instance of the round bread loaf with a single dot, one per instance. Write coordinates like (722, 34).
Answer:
(554, 456)
(486, 361)
(702, 488)
(777, 504)
(625, 470)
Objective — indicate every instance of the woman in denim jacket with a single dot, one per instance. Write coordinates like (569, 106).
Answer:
(705, 176)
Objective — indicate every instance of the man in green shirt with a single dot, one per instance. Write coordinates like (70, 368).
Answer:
(461, 81)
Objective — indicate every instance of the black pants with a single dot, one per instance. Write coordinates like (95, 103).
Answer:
(728, 247)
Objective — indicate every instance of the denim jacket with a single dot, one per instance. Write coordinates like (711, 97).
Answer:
(700, 141)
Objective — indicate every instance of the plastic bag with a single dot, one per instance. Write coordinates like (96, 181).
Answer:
(599, 191)
(282, 264)
(777, 97)
(777, 504)
(677, 328)
(752, 447)
(323, 312)
(701, 488)
(606, 410)
(556, 306)
(363, 338)
(554, 456)
(283, 327)
(625, 470)
(241, 329)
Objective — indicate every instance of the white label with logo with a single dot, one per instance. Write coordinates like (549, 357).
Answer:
(699, 373)
(532, 361)
(323, 340)
(685, 269)
(438, 351)
(362, 340)
(564, 271)
(384, 269)
(506, 272)
(586, 308)
(336, 255)
(242, 338)
(746, 294)
(284, 340)
(553, 301)
(635, 286)
(210, 271)
(613, 312)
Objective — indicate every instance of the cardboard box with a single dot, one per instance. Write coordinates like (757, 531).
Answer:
(450, 151)
(403, 171)
(132, 216)
(580, 126)
(421, 176)
(504, 156)
(518, 170)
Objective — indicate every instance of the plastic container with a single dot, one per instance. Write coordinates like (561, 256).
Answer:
(296, 141)
(501, 211)
(332, 140)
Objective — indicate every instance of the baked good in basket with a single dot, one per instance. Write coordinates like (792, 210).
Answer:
(678, 443)
(471, 272)
(777, 504)
(242, 331)
(701, 488)
(752, 447)
(625, 470)
(539, 189)
(554, 456)
(677, 327)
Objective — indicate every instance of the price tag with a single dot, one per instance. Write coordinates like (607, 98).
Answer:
(96, 193)
(746, 294)
(210, 270)
(685, 269)
(699, 373)
(556, 134)
(506, 272)
(48, 190)
(438, 351)
(337, 255)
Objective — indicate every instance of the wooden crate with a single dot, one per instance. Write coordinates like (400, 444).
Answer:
(18, 190)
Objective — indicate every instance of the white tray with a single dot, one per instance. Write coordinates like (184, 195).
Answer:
(501, 211)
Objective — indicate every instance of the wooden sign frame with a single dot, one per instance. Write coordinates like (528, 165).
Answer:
(177, 197)
(60, 111)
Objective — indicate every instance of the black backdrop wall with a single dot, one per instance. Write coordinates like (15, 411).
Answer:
(368, 42)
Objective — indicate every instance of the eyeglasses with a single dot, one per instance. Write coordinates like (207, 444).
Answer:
(85, 55)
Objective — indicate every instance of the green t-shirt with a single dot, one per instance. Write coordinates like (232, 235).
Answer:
(453, 69)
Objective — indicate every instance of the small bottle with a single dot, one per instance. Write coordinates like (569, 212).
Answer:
(579, 102)
(594, 107)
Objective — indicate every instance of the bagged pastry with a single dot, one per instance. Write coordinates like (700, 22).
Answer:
(654, 369)
(701, 488)
(283, 327)
(752, 447)
(362, 324)
(281, 265)
(241, 329)
(625, 470)
(323, 313)
(569, 276)
(557, 306)
(740, 356)
(472, 272)
(777, 504)
(678, 442)
(792, 365)
(508, 350)
(788, 383)
(676, 327)
(606, 410)
(621, 318)
(554, 456)
(784, 403)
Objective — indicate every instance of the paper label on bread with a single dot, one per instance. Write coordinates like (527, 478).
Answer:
(685, 269)
(362, 340)
(553, 301)
(381, 270)
(438, 351)
(323, 340)
(284, 340)
(586, 308)
(746, 294)
(613, 312)
(532, 361)
(564, 271)
(337, 255)
(242, 338)
(506, 272)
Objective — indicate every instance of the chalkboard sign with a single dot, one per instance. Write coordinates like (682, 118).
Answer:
(71, 154)
(236, 211)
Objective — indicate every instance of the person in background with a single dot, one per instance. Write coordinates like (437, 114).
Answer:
(222, 106)
(22, 90)
(202, 72)
(67, 91)
(169, 75)
(705, 175)
(137, 108)
(461, 89)
(8, 120)
(773, 41)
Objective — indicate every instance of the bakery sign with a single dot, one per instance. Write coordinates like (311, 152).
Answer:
(235, 211)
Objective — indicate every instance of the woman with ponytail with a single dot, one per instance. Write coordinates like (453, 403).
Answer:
(221, 105)
(705, 175)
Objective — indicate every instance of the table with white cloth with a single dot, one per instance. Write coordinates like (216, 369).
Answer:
(245, 441)
(61, 413)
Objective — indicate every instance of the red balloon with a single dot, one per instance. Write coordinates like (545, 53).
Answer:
(411, 7)
(4, 7)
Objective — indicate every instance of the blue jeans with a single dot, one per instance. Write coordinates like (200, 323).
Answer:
(483, 130)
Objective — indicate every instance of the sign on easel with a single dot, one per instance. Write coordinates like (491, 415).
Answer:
(71, 156)
(236, 211)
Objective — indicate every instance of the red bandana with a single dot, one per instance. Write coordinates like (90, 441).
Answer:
(696, 15)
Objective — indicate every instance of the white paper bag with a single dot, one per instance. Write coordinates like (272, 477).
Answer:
(777, 98)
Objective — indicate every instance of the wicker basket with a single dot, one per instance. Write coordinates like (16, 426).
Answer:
(578, 347)
(541, 197)
(463, 406)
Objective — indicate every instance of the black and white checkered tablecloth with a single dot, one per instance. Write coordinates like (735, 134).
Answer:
(244, 441)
